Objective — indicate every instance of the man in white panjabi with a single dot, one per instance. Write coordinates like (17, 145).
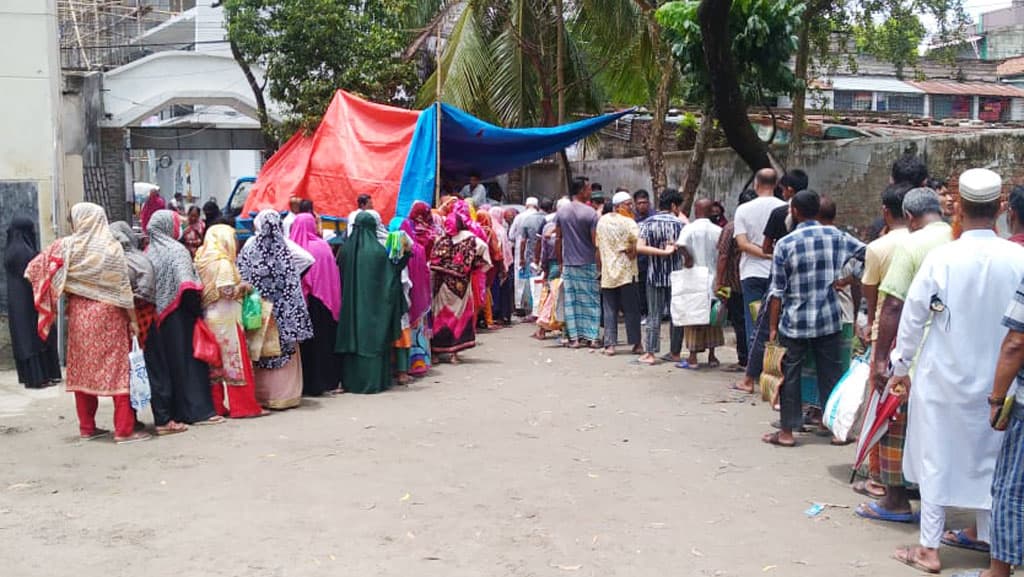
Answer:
(961, 291)
(698, 242)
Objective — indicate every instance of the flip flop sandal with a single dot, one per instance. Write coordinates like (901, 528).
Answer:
(714, 364)
(861, 488)
(668, 358)
(165, 431)
(960, 540)
(684, 364)
(135, 438)
(906, 556)
(738, 388)
(773, 439)
(96, 434)
(214, 420)
(874, 512)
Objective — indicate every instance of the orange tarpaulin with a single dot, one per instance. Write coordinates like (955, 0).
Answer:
(358, 148)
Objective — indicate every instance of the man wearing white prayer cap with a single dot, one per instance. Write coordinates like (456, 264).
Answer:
(961, 290)
(617, 236)
(524, 231)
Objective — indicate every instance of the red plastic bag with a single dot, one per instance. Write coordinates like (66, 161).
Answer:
(204, 345)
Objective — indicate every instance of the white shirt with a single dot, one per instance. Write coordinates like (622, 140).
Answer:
(286, 224)
(700, 238)
(950, 449)
(750, 220)
(478, 194)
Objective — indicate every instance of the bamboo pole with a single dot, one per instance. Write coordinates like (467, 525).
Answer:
(437, 112)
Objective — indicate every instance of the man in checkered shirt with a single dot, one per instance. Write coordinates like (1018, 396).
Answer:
(805, 315)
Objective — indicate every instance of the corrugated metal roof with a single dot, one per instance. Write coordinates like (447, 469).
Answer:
(873, 84)
(1011, 67)
(969, 88)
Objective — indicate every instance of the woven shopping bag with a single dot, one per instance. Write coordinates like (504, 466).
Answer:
(771, 375)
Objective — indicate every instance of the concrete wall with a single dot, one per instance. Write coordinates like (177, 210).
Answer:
(853, 172)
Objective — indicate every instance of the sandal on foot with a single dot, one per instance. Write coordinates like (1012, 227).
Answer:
(133, 438)
(714, 364)
(214, 420)
(737, 387)
(96, 434)
(876, 512)
(773, 439)
(908, 556)
(667, 357)
(864, 488)
(685, 364)
(171, 429)
(960, 540)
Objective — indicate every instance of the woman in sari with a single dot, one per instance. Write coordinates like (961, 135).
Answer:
(271, 267)
(180, 383)
(497, 254)
(399, 244)
(372, 306)
(321, 367)
(35, 359)
(223, 289)
(501, 287)
(90, 267)
(420, 226)
(192, 236)
(457, 255)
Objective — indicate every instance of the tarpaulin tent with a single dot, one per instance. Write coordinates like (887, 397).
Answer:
(391, 154)
(358, 148)
(470, 145)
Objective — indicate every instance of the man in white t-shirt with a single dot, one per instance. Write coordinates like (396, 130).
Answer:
(755, 265)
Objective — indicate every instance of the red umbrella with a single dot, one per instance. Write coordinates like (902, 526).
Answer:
(881, 409)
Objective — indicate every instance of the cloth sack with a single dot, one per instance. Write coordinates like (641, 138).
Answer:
(138, 383)
(537, 284)
(691, 296)
(847, 397)
(771, 375)
(204, 344)
(252, 311)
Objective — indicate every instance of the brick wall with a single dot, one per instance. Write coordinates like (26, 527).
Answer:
(112, 159)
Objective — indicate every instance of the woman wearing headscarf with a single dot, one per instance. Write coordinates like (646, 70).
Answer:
(399, 244)
(223, 290)
(269, 264)
(457, 255)
(153, 203)
(35, 359)
(180, 383)
(90, 267)
(211, 212)
(192, 236)
(321, 368)
(372, 305)
(497, 254)
(420, 227)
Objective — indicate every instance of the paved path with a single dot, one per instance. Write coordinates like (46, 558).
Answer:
(526, 460)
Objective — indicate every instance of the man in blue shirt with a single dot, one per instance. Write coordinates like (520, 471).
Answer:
(805, 314)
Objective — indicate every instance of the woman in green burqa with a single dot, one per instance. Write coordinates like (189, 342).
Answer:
(372, 306)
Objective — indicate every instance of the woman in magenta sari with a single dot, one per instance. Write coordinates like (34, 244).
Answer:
(421, 228)
(321, 285)
(458, 254)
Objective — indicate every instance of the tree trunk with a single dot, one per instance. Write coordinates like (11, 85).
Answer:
(655, 137)
(695, 167)
(564, 170)
(803, 51)
(730, 106)
(269, 142)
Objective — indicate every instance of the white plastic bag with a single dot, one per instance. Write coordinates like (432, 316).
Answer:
(139, 381)
(846, 399)
(536, 290)
(691, 296)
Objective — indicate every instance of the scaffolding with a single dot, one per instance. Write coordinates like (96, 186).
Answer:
(102, 34)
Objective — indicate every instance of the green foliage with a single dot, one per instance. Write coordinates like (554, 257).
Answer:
(311, 48)
(763, 35)
(892, 36)
(500, 62)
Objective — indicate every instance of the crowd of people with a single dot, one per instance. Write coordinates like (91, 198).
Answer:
(934, 302)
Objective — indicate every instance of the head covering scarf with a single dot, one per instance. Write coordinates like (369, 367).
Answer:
(501, 231)
(458, 218)
(153, 203)
(172, 262)
(300, 256)
(215, 262)
(490, 236)
(419, 274)
(266, 263)
(94, 263)
(373, 304)
(394, 243)
(423, 223)
(21, 246)
(323, 280)
(140, 269)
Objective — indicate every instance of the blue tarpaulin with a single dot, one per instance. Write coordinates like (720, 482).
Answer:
(470, 145)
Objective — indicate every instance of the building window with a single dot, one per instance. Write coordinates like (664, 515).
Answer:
(851, 100)
(950, 106)
(901, 103)
(994, 109)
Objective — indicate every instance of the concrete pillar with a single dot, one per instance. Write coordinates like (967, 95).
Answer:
(874, 102)
(927, 112)
(975, 106)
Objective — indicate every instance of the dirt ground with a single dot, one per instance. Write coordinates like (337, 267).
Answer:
(526, 460)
